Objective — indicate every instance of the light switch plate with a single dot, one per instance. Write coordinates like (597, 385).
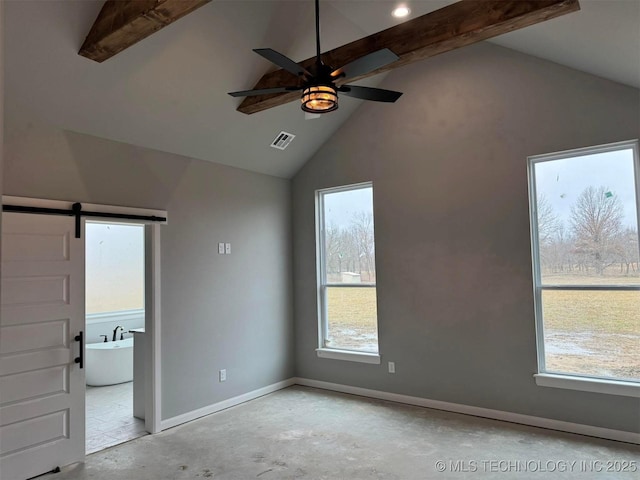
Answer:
(221, 248)
(227, 248)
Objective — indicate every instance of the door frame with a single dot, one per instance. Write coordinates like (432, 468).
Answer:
(153, 372)
(152, 306)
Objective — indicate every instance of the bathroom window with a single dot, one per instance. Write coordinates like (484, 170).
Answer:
(348, 326)
(114, 267)
(586, 260)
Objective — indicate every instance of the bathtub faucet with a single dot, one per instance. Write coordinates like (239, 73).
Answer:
(115, 332)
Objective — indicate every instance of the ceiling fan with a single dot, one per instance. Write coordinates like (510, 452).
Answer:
(319, 89)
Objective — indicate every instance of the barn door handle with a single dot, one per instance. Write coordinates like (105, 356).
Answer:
(80, 359)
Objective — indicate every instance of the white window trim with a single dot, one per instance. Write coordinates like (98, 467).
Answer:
(115, 316)
(323, 351)
(588, 384)
(562, 380)
(348, 355)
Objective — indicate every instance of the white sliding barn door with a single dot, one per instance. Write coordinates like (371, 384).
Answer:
(41, 387)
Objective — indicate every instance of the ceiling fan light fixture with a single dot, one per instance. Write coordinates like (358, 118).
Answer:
(319, 99)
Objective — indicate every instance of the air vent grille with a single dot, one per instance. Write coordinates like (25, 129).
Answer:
(282, 140)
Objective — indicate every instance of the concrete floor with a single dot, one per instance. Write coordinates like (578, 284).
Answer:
(304, 433)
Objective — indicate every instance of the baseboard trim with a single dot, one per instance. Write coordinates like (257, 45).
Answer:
(231, 402)
(580, 429)
(550, 424)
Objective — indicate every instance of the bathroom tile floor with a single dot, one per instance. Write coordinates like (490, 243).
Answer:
(110, 419)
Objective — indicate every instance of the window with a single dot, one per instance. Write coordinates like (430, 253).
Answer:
(586, 261)
(114, 268)
(348, 326)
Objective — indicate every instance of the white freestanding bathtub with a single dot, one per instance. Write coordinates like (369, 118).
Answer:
(109, 363)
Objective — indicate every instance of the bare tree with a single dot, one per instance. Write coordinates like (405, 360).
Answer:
(596, 221)
(349, 251)
(556, 252)
(362, 234)
(548, 222)
(629, 250)
(549, 229)
(351, 248)
(333, 248)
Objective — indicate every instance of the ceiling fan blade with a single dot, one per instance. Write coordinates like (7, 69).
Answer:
(283, 62)
(311, 116)
(368, 93)
(263, 91)
(366, 64)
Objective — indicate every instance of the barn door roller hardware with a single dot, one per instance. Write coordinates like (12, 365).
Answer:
(77, 212)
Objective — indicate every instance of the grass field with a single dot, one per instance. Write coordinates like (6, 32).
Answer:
(609, 278)
(592, 332)
(586, 332)
(352, 314)
(609, 312)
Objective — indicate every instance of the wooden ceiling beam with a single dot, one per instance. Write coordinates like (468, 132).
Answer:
(454, 26)
(122, 23)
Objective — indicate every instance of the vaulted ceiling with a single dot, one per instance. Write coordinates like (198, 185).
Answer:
(169, 92)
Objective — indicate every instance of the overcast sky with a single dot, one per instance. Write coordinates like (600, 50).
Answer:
(562, 181)
(340, 207)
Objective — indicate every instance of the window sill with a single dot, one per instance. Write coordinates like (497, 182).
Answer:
(611, 387)
(362, 357)
(117, 316)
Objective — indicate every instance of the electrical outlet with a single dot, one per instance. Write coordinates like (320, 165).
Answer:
(223, 375)
(227, 248)
(221, 248)
(392, 367)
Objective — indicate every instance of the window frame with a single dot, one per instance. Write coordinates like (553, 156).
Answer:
(574, 381)
(321, 283)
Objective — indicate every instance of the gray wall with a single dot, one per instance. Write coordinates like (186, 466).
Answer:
(218, 311)
(448, 162)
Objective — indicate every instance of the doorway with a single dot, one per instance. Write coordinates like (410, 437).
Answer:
(43, 326)
(115, 324)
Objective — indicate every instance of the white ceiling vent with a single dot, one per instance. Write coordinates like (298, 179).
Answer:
(283, 140)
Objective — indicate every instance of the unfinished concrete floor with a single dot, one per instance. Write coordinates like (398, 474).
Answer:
(304, 433)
